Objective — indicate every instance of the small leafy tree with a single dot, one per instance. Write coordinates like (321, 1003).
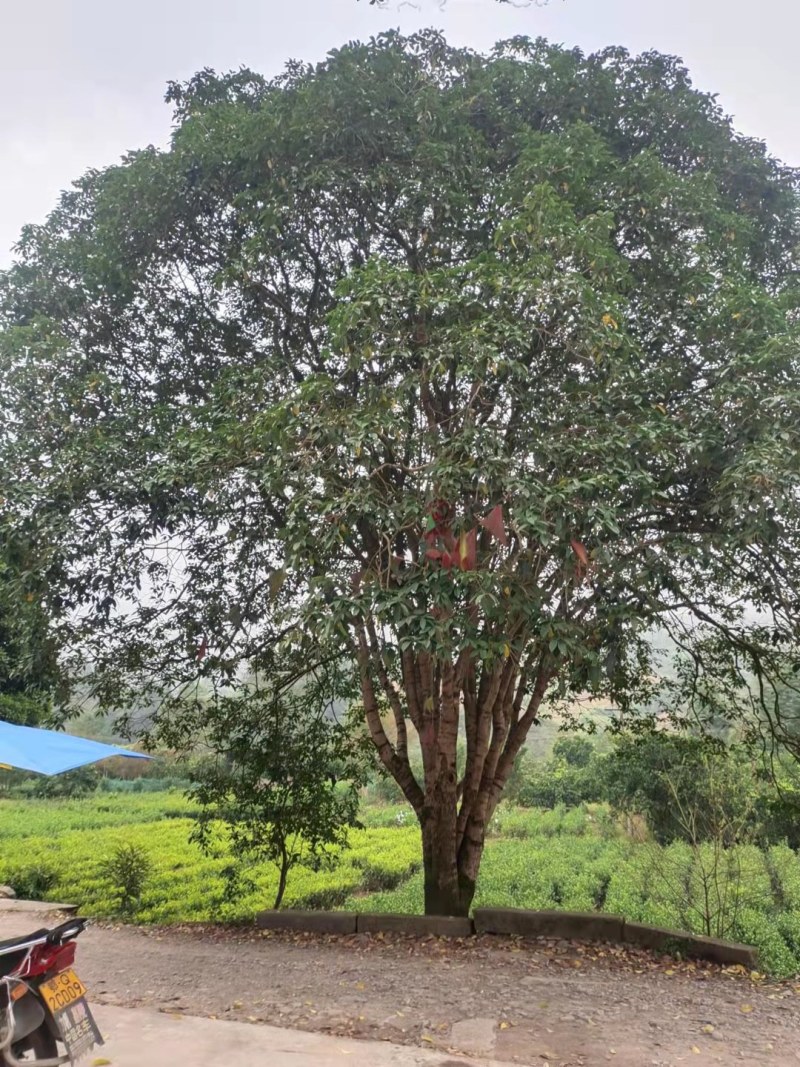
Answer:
(284, 780)
(574, 751)
(464, 371)
(703, 881)
(690, 788)
(564, 779)
(127, 870)
(677, 783)
(77, 783)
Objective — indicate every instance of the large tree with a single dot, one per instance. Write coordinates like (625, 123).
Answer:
(28, 669)
(466, 370)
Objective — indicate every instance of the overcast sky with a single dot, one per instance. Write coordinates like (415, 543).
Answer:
(82, 81)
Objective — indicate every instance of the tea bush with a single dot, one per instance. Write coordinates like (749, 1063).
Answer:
(575, 858)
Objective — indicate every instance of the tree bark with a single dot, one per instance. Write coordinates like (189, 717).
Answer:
(448, 891)
(284, 869)
(453, 815)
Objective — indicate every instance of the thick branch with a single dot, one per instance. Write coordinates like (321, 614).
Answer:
(395, 764)
(389, 691)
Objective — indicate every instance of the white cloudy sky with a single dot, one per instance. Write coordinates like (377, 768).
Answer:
(81, 81)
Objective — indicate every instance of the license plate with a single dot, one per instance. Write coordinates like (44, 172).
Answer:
(65, 989)
(65, 996)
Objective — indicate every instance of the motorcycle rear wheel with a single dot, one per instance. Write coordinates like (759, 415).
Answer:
(40, 1045)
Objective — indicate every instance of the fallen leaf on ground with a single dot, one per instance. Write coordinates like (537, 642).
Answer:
(745, 1009)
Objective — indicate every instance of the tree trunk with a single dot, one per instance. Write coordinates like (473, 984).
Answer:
(284, 869)
(449, 873)
(453, 811)
(448, 889)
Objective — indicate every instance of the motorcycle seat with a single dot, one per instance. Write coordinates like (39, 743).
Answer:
(12, 952)
(9, 961)
(16, 943)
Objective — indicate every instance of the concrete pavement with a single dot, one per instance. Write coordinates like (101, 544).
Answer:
(135, 1037)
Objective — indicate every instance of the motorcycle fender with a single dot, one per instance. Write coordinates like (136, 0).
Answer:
(29, 1014)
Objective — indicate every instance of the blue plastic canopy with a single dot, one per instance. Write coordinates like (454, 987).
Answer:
(27, 748)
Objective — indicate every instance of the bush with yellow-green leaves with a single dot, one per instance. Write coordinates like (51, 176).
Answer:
(59, 850)
(572, 858)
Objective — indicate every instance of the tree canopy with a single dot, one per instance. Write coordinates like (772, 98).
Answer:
(27, 654)
(464, 369)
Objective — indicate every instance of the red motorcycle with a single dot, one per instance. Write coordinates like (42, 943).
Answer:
(42, 1001)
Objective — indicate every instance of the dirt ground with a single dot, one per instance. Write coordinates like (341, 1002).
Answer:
(544, 1003)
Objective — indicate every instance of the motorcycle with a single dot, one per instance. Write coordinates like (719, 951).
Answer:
(42, 1001)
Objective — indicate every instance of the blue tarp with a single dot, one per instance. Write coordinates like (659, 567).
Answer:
(27, 748)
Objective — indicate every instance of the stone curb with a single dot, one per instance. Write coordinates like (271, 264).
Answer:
(660, 939)
(570, 925)
(516, 922)
(41, 907)
(313, 922)
(415, 925)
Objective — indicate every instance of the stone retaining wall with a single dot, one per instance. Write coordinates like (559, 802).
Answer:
(570, 925)
(313, 922)
(676, 941)
(416, 925)
(513, 922)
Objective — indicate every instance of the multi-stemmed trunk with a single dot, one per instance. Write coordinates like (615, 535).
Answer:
(497, 705)
(451, 872)
(448, 891)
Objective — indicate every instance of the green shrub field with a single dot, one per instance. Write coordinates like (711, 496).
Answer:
(56, 849)
(574, 858)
